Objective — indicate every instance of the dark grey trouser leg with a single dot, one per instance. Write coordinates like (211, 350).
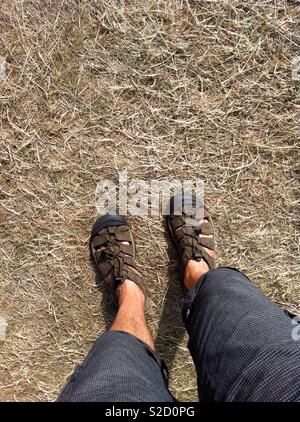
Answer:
(119, 368)
(240, 341)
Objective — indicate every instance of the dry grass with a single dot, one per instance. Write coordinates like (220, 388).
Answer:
(164, 89)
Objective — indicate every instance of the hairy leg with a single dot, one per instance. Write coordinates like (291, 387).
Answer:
(131, 314)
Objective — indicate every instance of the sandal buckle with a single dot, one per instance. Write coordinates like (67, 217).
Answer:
(118, 280)
(196, 255)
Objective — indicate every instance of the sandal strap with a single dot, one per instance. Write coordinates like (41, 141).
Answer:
(112, 256)
(186, 237)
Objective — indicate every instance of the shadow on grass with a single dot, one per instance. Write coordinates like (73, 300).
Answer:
(107, 305)
(171, 329)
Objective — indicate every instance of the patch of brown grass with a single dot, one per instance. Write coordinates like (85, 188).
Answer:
(164, 89)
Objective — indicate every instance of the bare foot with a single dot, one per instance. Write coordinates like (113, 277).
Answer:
(130, 291)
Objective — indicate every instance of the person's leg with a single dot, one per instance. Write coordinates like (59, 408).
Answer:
(122, 365)
(131, 314)
(240, 341)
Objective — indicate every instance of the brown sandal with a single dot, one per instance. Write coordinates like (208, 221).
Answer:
(113, 251)
(186, 228)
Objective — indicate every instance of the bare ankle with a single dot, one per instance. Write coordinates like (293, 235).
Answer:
(193, 271)
(131, 314)
(129, 291)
